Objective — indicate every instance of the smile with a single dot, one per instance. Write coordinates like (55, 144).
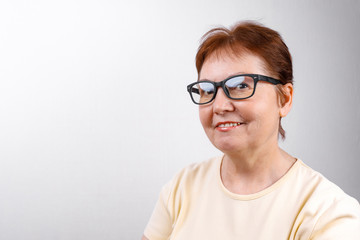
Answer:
(226, 125)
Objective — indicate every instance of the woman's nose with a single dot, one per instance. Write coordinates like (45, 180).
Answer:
(222, 103)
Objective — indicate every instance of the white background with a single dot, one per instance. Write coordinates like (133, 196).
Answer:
(95, 117)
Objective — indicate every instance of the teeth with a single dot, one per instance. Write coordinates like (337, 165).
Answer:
(229, 125)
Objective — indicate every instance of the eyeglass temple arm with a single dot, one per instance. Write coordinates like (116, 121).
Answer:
(269, 79)
(194, 90)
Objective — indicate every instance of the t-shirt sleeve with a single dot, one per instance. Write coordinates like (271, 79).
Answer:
(340, 221)
(160, 223)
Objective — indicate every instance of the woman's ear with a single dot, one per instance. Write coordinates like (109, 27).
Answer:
(286, 99)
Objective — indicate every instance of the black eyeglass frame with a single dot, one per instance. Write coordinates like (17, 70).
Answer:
(256, 77)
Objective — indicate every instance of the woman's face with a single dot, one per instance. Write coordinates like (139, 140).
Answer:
(251, 123)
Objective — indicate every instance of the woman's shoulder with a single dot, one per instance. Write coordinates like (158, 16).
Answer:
(319, 185)
(200, 168)
(326, 208)
(198, 171)
(193, 176)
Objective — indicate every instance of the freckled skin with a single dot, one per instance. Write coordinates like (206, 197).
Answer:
(258, 115)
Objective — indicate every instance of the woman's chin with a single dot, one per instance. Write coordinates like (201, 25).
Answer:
(229, 146)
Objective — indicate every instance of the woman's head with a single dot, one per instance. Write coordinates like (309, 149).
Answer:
(250, 38)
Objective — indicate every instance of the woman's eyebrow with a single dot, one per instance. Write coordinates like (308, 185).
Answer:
(228, 76)
(234, 74)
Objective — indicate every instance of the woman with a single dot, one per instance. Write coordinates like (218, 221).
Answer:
(255, 190)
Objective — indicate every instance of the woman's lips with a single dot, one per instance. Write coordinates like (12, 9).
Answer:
(226, 126)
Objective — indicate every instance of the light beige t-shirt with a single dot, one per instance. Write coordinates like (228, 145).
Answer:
(301, 205)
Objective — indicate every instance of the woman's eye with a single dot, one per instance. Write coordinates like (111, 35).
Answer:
(242, 86)
(204, 92)
(206, 89)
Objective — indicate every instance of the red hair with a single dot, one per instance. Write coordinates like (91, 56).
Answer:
(256, 39)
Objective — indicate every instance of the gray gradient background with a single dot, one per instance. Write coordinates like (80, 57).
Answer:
(82, 158)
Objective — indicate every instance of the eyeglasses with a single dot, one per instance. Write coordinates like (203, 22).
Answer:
(235, 87)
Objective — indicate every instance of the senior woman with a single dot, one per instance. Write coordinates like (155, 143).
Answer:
(255, 190)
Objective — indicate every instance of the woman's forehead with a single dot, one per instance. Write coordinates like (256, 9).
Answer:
(219, 66)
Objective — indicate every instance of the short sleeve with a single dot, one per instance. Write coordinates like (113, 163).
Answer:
(160, 226)
(340, 221)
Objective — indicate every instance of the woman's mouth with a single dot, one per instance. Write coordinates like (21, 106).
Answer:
(227, 126)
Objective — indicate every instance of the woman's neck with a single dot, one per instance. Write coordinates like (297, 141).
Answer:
(250, 172)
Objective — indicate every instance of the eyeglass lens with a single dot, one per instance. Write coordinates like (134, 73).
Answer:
(238, 87)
